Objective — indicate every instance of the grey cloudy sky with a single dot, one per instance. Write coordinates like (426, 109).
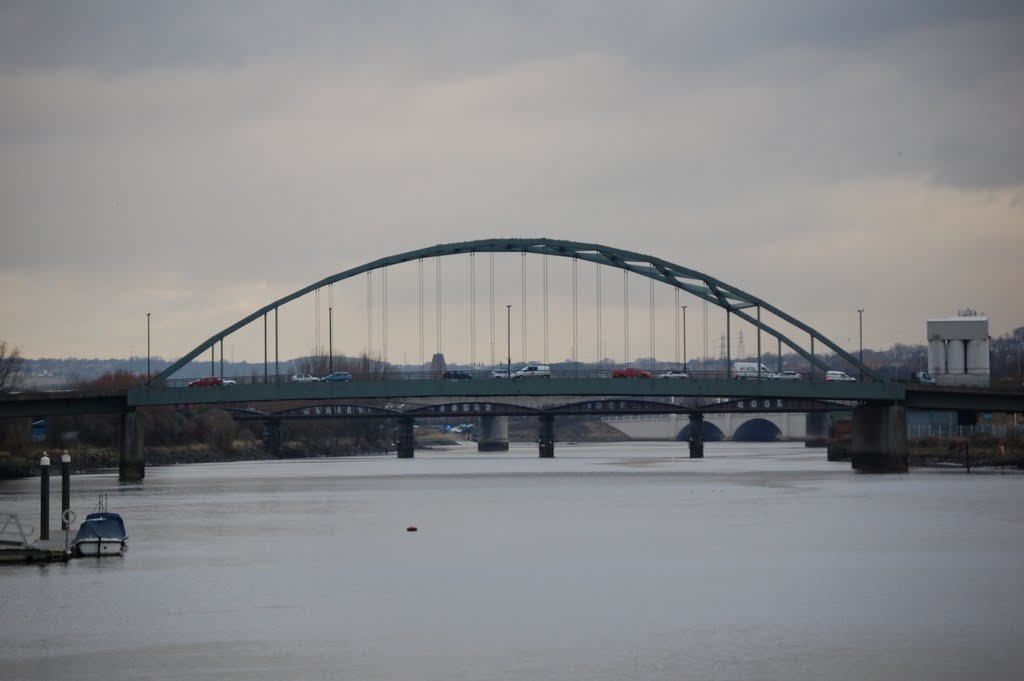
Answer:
(197, 160)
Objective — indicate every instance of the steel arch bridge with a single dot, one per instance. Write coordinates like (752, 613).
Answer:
(732, 299)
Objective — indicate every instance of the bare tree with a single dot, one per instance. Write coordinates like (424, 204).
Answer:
(11, 365)
(364, 367)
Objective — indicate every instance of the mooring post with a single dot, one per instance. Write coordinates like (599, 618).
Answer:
(44, 497)
(696, 435)
(65, 489)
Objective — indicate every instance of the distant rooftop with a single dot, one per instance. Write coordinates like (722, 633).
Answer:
(974, 318)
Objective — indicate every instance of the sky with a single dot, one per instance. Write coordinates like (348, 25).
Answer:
(194, 161)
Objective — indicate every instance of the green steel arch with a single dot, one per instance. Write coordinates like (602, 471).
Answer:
(726, 296)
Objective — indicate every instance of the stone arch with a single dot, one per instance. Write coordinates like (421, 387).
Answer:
(757, 430)
(712, 433)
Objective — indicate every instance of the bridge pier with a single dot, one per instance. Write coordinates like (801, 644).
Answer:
(405, 442)
(696, 435)
(132, 462)
(880, 439)
(272, 437)
(493, 434)
(817, 429)
(546, 436)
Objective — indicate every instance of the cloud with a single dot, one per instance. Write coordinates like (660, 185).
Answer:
(226, 155)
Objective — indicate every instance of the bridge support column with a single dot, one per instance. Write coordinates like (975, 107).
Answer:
(493, 434)
(880, 439)
(132, 462)
(696, 435)
(272, 437)
(817, 429)
(405, 442)
(546, 436)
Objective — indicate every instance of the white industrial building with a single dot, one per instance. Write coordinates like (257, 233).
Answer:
(958, 351)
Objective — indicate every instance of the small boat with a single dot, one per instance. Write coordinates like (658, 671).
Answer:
(102, 533)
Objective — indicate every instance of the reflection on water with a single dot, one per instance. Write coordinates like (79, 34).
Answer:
(607, 562)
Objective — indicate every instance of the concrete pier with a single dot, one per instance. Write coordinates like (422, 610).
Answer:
(696, 435)
(493, 435)
(817, 429)
(405, 442)
(272, 437)
(546, 436)
(132, 465)
(880, 439)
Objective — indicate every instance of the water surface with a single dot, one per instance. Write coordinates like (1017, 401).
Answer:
(608, 562)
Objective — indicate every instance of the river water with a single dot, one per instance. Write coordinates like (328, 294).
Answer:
(608, 562)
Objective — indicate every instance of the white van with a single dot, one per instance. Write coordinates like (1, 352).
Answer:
(749, 370)
(533, 371)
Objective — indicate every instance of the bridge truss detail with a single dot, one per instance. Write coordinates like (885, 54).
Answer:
(612, 406)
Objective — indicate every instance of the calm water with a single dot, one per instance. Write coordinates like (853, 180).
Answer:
(609, 562)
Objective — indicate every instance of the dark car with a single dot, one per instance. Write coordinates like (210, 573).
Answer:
(337, 376)
(205, 382)
(630, 372)
(456, 375)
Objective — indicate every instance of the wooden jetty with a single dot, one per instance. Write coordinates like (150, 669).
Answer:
(41, 551)
(16, 548)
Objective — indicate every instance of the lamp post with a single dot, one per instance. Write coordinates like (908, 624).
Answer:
(860, 325)
(684, 337)
(508, 329)
(148, 371)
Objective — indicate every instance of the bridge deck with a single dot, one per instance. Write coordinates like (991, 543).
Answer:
(581, 388)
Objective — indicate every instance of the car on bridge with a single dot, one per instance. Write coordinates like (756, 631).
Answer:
(304, 378)
(337, 376)
(788, 375)
(533, 371)
(456, 375)
(630, 372)
(674, 374)
(922, 377)
(205, 382)
(838, 376)
(751, 371)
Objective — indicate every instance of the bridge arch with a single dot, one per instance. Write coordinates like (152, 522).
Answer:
(757, 430)
(726, 296)
(712, 433)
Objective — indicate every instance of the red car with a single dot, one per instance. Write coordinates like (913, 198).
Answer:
(205, 382)
(630, 372)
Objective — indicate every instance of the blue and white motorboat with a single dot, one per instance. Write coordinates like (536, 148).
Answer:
(102, 533)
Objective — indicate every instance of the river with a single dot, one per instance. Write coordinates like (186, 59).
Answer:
(609, 562)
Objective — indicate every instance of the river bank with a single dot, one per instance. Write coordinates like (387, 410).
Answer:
(85, 459)
(977, 452)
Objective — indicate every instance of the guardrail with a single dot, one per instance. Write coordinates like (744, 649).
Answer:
(482, 374)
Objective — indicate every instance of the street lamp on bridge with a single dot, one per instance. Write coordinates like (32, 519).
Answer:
(508, 329)
(684, 337)
(860, 324)
(148, 372)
